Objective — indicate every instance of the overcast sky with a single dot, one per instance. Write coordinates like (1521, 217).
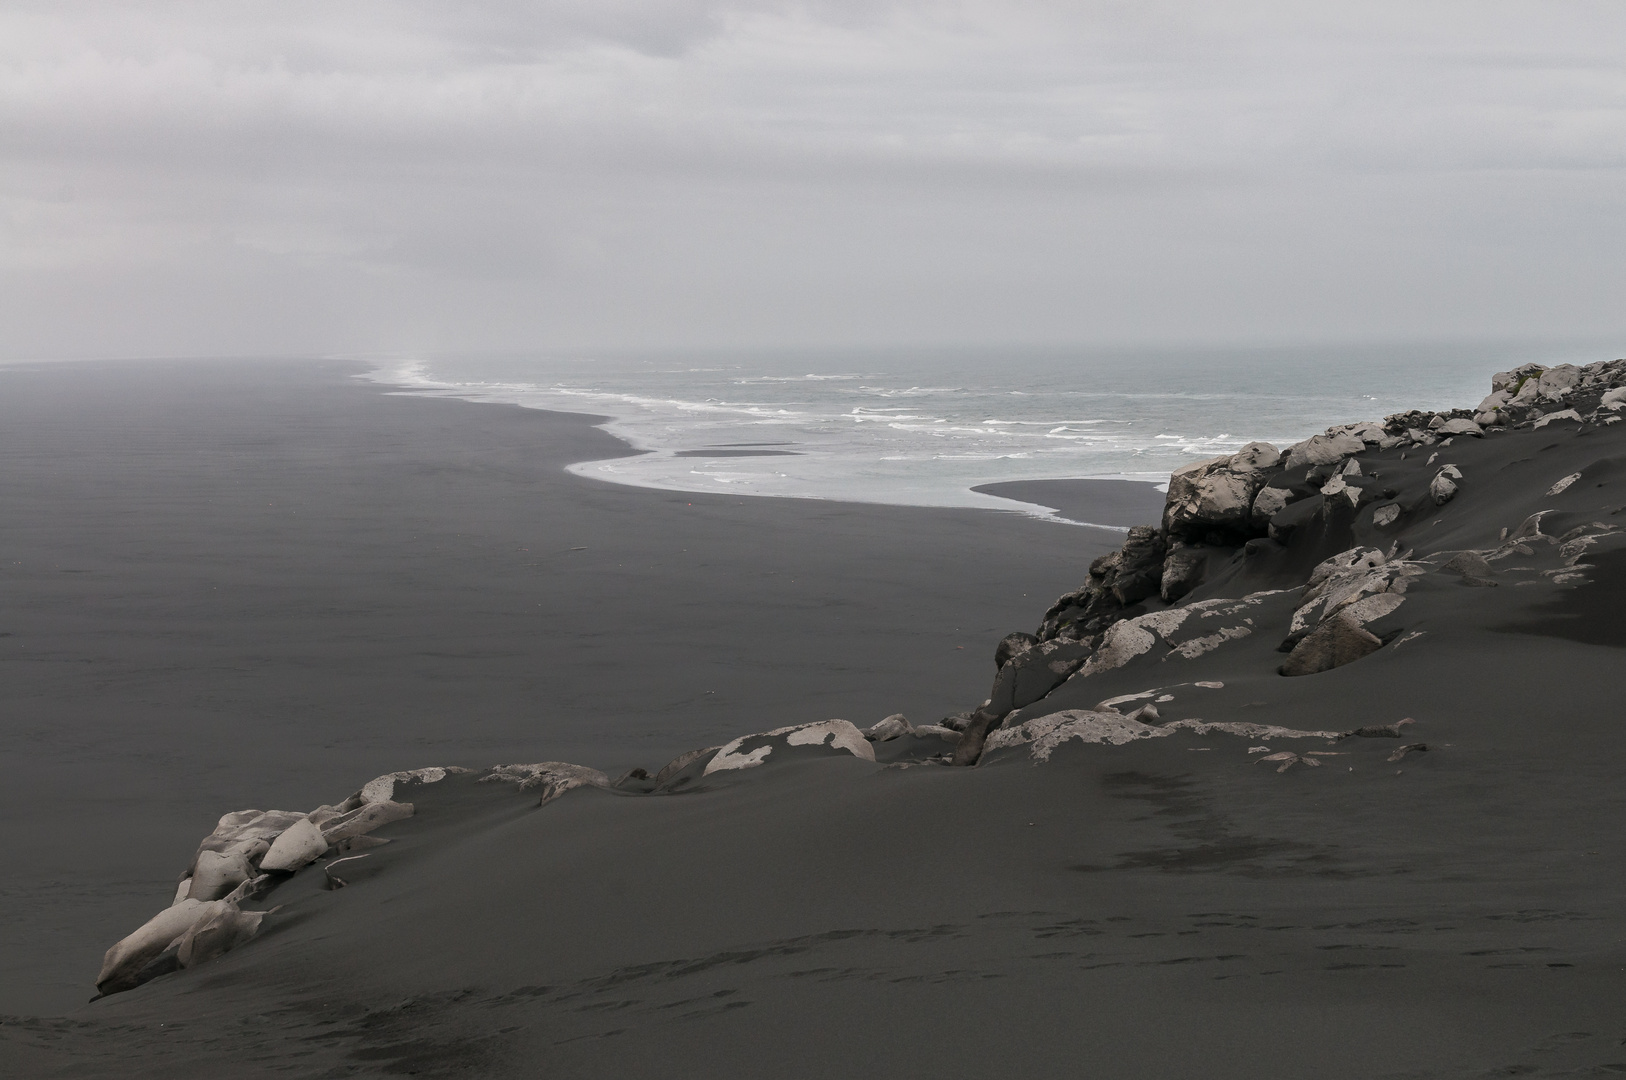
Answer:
(351, 175)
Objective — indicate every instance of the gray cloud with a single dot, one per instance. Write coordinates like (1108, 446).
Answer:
(194, 177)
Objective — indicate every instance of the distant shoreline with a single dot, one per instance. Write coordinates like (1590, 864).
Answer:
(1114, 504)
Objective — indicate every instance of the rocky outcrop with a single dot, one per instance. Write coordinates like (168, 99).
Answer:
(1310, 500)
(1212, 501)
(1012, 645)
(1044, 735)
(249, 853)
(749, 751)
(551, 778)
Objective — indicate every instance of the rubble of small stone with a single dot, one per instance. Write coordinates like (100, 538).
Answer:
(1310, 511)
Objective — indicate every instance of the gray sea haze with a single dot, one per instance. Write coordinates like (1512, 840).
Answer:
(924, 427)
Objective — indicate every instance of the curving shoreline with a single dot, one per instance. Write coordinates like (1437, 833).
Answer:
(1429, 851)
(256, 583)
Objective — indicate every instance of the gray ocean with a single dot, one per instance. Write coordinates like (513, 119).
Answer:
(923, 427)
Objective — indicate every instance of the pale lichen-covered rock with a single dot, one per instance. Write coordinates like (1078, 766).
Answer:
(1188, 631)
(1566, 414)
(554, 778)
(1460, 427)
(382, 788)
(299, 844)
(217, 934)
(1250, 731)
(1122, 642)
(1034, 673)
(893, 727)
(1510, 382)
(1563, 485)
(1556, 382)
(247, 831)
(1348, 584)
(1443, 488)
(837, 734)
(1217, 495)
(216, 873)
(1323, 450)
(1044, 734)
(363, 820)
(122, 964)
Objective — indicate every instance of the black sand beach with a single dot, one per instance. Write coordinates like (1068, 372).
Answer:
(1325, 789)
(250, 583)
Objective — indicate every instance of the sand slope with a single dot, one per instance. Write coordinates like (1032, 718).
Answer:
(1174, 906)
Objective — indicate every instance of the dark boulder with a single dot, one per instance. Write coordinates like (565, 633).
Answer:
(1012, 645)
(1034, 673)
(1336, 642)
(1139, 572)
(1182, 572)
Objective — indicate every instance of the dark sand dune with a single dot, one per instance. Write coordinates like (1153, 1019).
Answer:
(1191, 901)
(251, 584)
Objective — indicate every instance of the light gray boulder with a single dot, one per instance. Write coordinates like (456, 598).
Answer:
(122, 964)
(1033, 674)
(1460, 427)
(382, 788)
(299, 844)
(1528, 394)
(247, 831)
(1556, 382)
(1218, 493)
(893, 727)
(1563, 484)
(681, 762)
(1614, 399)
(1553, 417)
(217, 873)
(1510, 382)
(217, 934)
(1443, 488)
(363, 820)
(1323, 450)
(1268, 503)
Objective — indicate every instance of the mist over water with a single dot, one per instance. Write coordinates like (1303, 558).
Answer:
(923, 427)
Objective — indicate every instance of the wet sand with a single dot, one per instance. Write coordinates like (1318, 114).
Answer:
(1117, 504)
